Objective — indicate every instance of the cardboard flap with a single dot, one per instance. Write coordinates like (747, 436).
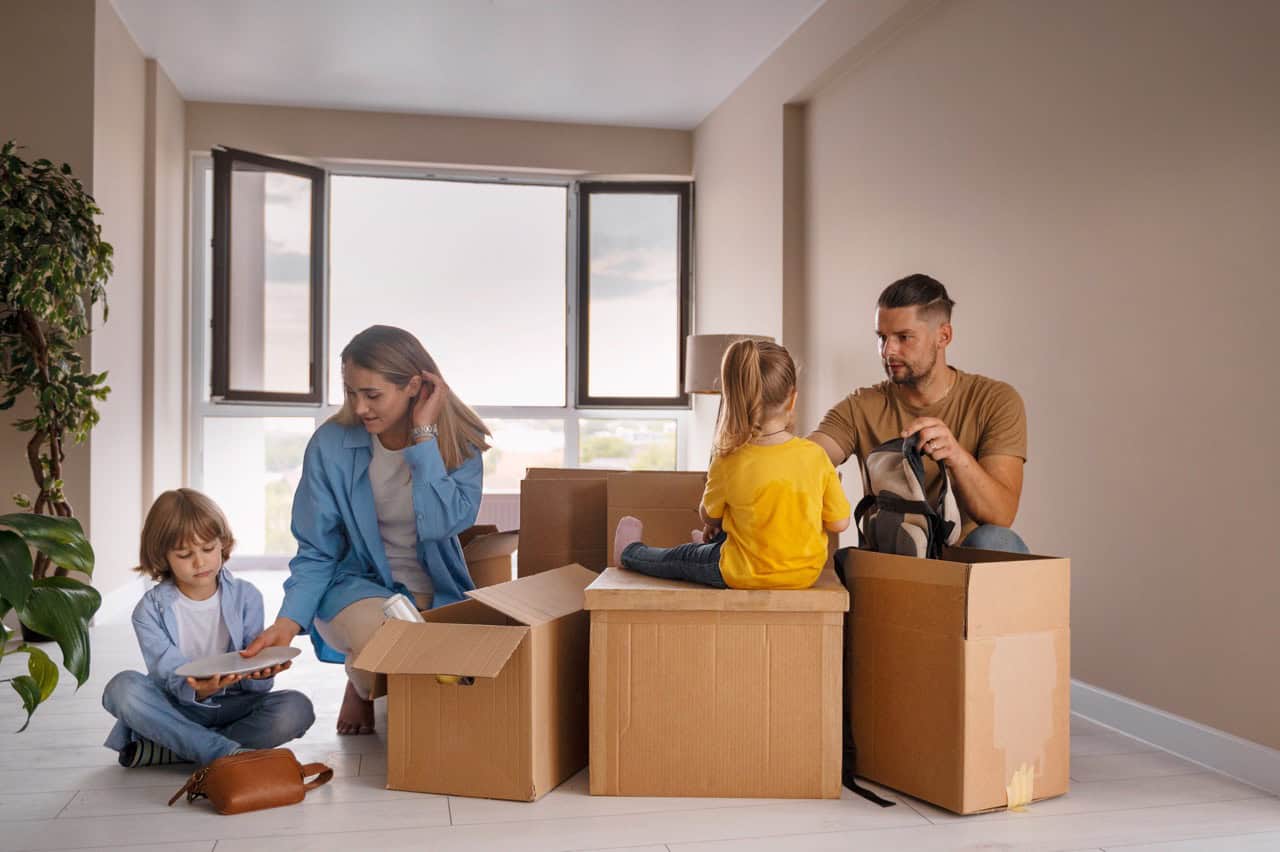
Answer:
(540, 598)
(619, 589)
(474, 650)
(489, 545)
(1023, 596)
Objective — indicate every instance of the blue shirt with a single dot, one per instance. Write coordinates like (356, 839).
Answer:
(341, 558)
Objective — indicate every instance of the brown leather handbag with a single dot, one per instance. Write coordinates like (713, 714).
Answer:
(267, 778)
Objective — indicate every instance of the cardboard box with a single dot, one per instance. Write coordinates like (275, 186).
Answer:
(488, 553)
(520, 729)
(562, 515)
(710, 692)
(960, 675)
(666, 501)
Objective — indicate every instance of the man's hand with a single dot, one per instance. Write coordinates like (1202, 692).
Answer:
(937, 441)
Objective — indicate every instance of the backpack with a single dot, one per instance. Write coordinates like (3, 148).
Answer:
(895, 516)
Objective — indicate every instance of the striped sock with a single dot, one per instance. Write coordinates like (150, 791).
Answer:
(146, 753)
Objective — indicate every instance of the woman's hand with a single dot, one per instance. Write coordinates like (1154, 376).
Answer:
(280, 633)
(430, 401)
(207, 686)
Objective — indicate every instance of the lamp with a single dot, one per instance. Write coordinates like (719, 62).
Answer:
(702, 356)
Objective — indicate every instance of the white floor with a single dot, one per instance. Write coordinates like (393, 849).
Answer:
(60, 789)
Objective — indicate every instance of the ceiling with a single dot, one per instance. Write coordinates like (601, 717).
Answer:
(647, 63)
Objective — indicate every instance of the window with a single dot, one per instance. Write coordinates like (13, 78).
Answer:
(484, 269)
(268, 274)
(634, 294)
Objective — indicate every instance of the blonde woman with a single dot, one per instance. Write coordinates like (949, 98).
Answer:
(387, 484)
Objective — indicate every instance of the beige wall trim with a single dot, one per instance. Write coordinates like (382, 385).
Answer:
(1237, 757)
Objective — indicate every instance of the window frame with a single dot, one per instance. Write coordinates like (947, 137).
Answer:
(199, 350)
(684, 295)
(224, 160)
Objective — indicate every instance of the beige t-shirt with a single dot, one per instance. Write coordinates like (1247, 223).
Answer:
(986, 416)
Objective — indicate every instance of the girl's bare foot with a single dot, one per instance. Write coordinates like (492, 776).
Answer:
(629, 531)
(356, 715)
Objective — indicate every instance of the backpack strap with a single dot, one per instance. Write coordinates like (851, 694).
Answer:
(939, 527)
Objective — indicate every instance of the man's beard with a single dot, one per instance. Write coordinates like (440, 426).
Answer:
(911, 376)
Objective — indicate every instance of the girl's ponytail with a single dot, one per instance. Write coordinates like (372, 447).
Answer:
(755, 378)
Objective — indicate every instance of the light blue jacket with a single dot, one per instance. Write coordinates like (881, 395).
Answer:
(341, 558)
(156, 627)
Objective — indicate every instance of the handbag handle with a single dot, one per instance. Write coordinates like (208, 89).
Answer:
(323, 774)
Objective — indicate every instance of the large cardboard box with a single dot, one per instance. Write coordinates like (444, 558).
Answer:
(487, 553)
(520, 728)
(562, 518)
(960, 675)
(666, 501)
(710, 692)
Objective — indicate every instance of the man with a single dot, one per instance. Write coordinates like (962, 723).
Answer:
(976, 425)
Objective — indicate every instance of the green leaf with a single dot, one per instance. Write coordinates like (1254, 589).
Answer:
(62, 539)
(30, 691)
(61, 607)
(15, 569)
(43, 670)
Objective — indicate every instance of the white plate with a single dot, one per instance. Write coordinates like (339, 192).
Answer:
(233, 663)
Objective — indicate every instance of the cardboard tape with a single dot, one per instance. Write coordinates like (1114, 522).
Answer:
(1020, 788)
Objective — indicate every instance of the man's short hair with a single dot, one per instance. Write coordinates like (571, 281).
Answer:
(919, 291)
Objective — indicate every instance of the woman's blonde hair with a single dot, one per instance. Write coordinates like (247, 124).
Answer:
(756, 379)
(398, 356)
(177, 519)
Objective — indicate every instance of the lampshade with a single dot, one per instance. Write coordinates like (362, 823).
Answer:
(702, 356)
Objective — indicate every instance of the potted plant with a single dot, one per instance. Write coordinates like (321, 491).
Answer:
(53, 269)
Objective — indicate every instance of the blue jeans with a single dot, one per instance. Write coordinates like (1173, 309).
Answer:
(991, 537)
(695, 563)
(203, 734)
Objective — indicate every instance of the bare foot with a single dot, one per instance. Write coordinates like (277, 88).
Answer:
(356, 715)
(629, 531)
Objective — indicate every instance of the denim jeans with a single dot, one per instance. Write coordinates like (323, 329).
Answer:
(696, 563)
(991, 537)
(203, 734)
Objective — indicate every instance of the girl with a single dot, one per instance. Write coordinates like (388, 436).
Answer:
(196, 610)
(769, 494)
(387, 484)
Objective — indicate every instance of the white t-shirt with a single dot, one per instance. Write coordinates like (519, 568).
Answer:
(392, 483)
(201, 630)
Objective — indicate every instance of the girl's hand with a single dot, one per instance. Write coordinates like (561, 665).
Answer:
(430, 401)
(205, 687)
(280, 633)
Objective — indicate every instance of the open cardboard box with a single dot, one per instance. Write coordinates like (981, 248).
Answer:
(959, 675)
(487, 553)
(518, 730)
(562, 513)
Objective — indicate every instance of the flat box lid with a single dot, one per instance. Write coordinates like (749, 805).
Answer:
(490, 544)
(620, 589)
(407, 647)
(539, 598)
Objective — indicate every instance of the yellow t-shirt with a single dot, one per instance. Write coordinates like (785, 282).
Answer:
(773, 501)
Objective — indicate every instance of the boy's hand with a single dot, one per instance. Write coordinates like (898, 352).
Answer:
(263, 674)
(205, 687)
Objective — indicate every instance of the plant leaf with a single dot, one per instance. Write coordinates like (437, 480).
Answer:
(60, 607)
(43, 670)
(15, 569)
(62, 539)
(27, 687)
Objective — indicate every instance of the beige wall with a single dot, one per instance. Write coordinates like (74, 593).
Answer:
(164, 424)
(46, 105)
(1097, 183)
(119, 158)
(440, 140)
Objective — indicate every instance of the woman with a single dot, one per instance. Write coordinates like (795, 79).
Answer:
(387, 484)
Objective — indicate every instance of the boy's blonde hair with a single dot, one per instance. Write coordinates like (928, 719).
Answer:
(398, 356)
(178, 518)
(756, 378)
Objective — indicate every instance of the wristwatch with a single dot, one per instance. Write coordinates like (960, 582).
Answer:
(423, 433)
